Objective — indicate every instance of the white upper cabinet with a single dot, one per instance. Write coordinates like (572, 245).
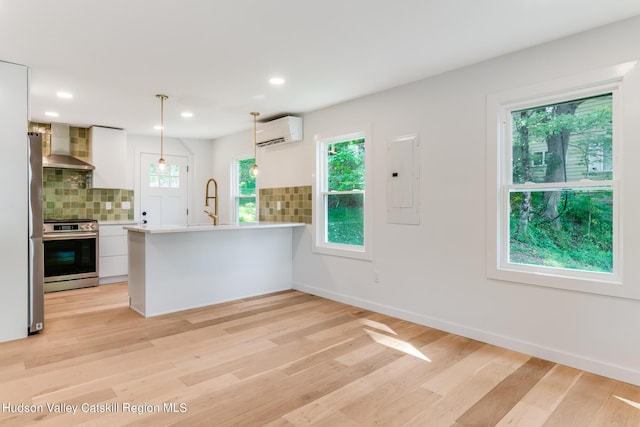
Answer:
(109, 152)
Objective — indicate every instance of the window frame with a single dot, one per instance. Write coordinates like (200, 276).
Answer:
(320, 245)
(499, 146)
(163, 170)
(235, 187)
(543, 159)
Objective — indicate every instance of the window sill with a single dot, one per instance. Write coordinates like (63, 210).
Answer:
(344, 251)
(592, 283)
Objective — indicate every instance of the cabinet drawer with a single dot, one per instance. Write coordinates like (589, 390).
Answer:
(113, 245)
(112, 230)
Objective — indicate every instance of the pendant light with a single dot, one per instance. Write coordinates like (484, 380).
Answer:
(161, 161)
(254, 169)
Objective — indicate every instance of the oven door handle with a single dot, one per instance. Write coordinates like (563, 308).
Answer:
(68, 236)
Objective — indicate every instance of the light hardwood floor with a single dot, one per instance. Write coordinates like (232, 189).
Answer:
(284, 359)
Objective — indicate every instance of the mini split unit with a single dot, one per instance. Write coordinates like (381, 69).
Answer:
(281, 131)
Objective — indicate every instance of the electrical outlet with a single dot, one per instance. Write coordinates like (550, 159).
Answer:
(278, 205)
(376, 276)
(107, 206)
(126, 205)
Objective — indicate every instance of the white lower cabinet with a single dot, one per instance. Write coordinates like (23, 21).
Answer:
(113, 261)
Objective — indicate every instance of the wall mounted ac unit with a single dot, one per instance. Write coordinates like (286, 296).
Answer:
(281, 131)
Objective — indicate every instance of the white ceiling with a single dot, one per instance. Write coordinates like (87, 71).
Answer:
(214, 57)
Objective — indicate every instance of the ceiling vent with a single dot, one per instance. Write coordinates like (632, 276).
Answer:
(281, 131)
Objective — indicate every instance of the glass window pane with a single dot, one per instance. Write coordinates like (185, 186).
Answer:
(165, 177)
(538, 158)
(563, 142)
(246, 182)
(246, 209)
(345, 165)
(345, 218)
(570, 229)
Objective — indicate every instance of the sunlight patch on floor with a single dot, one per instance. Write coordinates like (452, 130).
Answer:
(377, 325)
(397, 344)
(629, 402)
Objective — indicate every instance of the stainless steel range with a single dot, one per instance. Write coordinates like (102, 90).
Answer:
(70, 254)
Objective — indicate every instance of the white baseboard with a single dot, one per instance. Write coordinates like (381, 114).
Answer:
(598, 367)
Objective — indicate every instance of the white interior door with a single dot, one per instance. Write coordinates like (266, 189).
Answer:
(163, 191)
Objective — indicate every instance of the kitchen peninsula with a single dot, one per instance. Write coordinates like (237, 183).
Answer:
(178, 267)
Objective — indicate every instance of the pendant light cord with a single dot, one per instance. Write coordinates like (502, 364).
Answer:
(162, 99)
(254, 169)
(255, 139)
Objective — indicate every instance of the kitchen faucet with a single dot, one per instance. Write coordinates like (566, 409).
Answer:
(214, 214)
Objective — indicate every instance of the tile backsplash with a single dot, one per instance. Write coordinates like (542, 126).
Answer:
(67, 193)
(295, 204)
(79, 140)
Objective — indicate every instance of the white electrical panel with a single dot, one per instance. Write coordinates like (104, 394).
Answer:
(403, 180)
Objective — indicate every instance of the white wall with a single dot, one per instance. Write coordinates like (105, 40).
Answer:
(281, 166)
(434, 273)
(199, 153)
(14, 228)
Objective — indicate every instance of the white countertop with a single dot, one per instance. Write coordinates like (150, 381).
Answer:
(121, 222)
(159, 229)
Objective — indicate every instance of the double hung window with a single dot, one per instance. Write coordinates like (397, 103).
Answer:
(244, 191)
(553, 212)
(342, 204)
(561, 214)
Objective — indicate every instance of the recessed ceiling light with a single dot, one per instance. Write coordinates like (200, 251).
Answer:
(51, 114)
(276, 81)
(64, 95)
(187, 114)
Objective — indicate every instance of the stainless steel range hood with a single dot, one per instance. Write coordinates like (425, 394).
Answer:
(60, 156)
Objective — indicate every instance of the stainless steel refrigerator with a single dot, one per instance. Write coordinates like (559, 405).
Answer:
(36, 248)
